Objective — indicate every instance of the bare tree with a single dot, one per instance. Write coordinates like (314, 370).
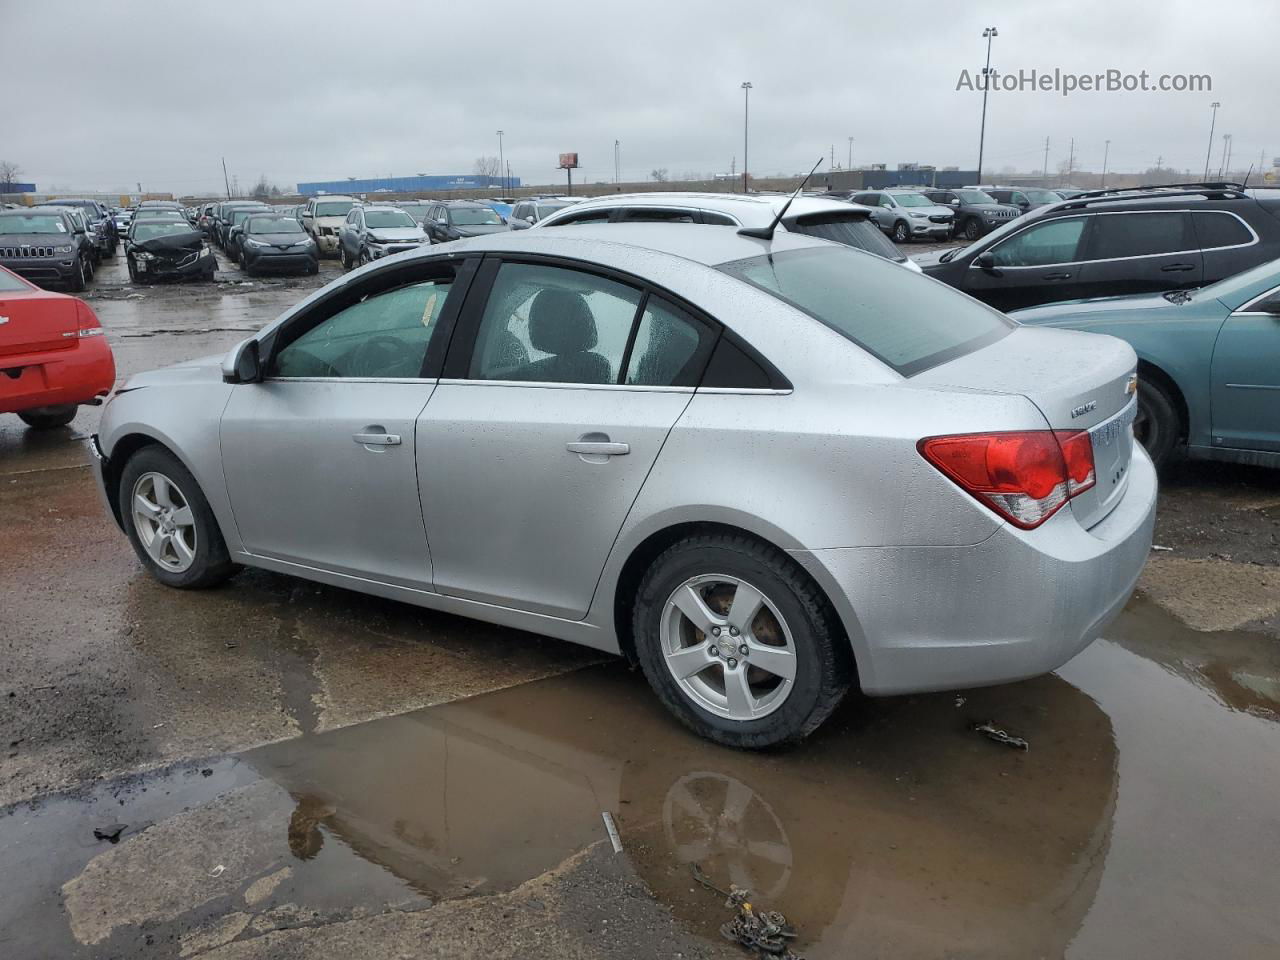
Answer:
(488, 167)
(9, 174)
(659, 174)
(264, 188)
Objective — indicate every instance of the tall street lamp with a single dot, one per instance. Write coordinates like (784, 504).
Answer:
(988, 34)
(617, 162)
(1213, 118)
(1106, 152)
(746, 121)
(849, 165)
(502, 166)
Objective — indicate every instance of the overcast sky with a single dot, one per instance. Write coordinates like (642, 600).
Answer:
(157, 92)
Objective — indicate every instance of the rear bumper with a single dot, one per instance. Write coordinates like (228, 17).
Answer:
(56, 377)
(1018, 604)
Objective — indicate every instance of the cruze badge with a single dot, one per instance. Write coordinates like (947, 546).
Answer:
(1086, 407)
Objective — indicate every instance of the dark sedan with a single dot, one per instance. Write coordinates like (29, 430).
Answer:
(277, 243)
(165, 249)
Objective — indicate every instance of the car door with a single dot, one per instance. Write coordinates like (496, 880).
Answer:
(319, 457)
(1140, 251)
(1039, 264)
(556, 401)
(1246, 377)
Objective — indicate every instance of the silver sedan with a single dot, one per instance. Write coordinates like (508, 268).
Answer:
(765, 470)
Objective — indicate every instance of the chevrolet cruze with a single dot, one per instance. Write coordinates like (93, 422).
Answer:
(767, 470)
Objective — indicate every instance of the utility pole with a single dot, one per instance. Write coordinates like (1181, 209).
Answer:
(746, 126)
(1044, 175)
(225, 181)
(617, 162)
(1071, 158)
(502, 161)
(833, 157)
(987, 34)
(1213, 118)
(850, 164)
(1106, 151)
(1226, 156)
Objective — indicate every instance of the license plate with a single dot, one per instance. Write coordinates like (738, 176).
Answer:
(140, 266)
(1107, 433)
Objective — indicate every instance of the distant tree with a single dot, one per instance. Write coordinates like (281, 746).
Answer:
(264, 188)
(9, 174)
(659, 174)
(488, 167)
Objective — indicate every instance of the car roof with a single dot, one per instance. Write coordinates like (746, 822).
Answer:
(334, 196)
(753, 210)
(464, 203)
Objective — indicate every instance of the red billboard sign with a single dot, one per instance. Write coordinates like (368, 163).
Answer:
(568, 161)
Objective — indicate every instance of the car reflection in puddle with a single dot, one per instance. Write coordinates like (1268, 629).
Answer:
(897, 825)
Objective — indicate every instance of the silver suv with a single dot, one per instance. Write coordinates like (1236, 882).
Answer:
(907, 214)
(834, 220)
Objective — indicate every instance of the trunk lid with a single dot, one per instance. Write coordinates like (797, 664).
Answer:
(1078, 381)
(36, 322)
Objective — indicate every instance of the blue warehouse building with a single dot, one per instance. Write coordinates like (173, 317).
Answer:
(407, 184)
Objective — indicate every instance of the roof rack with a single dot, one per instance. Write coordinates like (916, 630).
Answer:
(1209, 193)
(1193, 186)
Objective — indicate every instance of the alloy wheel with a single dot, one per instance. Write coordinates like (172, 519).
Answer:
(728, 647)
(165, 525)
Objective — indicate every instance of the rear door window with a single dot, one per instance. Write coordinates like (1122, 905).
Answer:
(1057, 241)
(1118, 235)
(583, 216)
(905, 321)
(1214, 230)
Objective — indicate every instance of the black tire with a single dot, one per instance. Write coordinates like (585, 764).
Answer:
(49, 418)
(212, 564)
(1159, 425)
(823, 659)
(901, 232)
(364, 259)
(78, 281)
(313, 268)
(972, 229)
(343, 259)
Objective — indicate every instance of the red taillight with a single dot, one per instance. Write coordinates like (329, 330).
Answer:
(1025, 477)
(87, 321)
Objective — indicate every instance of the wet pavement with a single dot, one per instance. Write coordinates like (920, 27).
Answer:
(299, 771)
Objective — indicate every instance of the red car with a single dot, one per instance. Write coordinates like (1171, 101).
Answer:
(53, 356)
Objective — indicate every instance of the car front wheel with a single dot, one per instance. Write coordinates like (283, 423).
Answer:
(972, 229)
(901, 232)
(738, 643)
(170, 523)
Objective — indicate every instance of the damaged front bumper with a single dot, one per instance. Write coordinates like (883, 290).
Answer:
(176, 266)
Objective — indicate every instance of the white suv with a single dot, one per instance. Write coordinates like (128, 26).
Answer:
(323, 217)
(835, 220)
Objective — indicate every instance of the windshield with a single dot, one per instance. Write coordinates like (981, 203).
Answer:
(906, 321)
(335, 208)
(974, 196)
(858, 232)
(273, 225)
(149, 230)
(473, 216)
(32, 223)
(912, 200)
(1036, 195)
(388, 218)
(158, 215)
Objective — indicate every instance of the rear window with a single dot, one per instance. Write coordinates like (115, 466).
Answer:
(908, 322)
(858, 232)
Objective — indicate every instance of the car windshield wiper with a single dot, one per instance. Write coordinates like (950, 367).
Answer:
(946, 257)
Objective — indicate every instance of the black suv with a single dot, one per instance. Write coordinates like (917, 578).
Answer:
(977, 213)
(104, 226)
(452, 219)
(1110, 242)
(46, 245)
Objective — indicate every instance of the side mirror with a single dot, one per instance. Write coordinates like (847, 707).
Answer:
(242, 364)
(986, 260)
(954, 202)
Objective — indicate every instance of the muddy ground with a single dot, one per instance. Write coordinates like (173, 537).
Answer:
(292, 770)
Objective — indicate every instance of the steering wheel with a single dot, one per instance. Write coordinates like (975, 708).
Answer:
(374, 356)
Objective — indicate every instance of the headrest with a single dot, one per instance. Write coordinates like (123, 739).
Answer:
(561, 322)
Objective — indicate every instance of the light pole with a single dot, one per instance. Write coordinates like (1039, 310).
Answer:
(988, 34)
(1213, 118)
(1106, 152)
(502, 166)
(746, 123)
(849, 165)
(617, 162)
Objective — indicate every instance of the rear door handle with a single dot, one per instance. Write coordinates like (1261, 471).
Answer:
(1177, 267)
(1057, 276)
(377, 439)
(598, 448)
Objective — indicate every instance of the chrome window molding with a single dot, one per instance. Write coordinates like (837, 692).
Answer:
(551, 384)
(1142, 256)
(349, 380)
(1244, 311)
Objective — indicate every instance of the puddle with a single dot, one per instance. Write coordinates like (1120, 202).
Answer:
(1141, 822)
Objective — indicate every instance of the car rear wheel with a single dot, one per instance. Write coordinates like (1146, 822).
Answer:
(738, 643)
(169, 522)
(1157, 425)
(49, 418)
(901, 232)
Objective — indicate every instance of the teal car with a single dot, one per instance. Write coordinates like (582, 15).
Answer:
(1208, 363)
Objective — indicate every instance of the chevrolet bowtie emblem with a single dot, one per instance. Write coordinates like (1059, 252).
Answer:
(1131, 387)
(3, 321)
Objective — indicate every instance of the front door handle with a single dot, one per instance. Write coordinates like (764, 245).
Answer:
(1177, 267)
(377, 439)
(1057, 276)
(598, 448)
